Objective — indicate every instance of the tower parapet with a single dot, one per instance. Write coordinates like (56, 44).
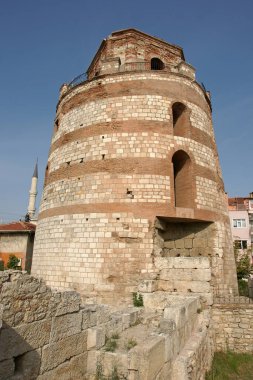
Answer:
(133, 175)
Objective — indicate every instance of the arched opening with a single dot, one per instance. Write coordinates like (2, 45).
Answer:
(157, 64)
(180, 118)
(183, 180)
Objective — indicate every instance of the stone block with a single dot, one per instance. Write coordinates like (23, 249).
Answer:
(103, 314)
(56, 353)
(16, 341)
(169, 244)
(28, 364)
(1, 315)
(148, 358)
(179, 243)
(70, 302)
(92, 361)
(114, 363)
(182, 262)
(6, 369)
(96, 338)
(147, 286)
(188, 243)
(65, 325)
(74, 369)
(167, 326)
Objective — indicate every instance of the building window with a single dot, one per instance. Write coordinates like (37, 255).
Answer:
(239, 223)
(240, 244)
(157, 64)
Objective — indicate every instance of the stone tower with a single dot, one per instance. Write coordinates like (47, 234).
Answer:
(133, 188)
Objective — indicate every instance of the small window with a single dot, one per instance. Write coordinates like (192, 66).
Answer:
(240, 244)
(239, 223)
(157, 64)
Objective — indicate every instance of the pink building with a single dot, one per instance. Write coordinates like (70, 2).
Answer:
(241, 219)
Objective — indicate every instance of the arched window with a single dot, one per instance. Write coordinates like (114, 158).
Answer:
(183, 180)
(157, 64)
(180, 119)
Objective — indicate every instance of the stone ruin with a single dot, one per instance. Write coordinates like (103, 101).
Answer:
(133, 205)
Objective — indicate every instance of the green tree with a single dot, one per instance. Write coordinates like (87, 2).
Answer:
(13, 262)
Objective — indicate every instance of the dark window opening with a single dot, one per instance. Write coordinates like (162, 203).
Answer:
(180, 119)
(182, 179)
(240, 244)
(56, 125)
(157, 64)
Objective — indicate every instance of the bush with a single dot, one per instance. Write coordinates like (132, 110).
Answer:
(243, 265)
(243, 288)
(13, 262)
(137, 300)
(1, 265)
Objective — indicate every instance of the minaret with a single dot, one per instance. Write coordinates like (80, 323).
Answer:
(33, 193)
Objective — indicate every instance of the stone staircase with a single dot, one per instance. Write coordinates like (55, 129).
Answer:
(169, 335)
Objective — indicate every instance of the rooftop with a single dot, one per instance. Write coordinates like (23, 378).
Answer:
(17, 226)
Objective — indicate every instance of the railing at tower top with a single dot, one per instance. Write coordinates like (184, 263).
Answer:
(80, 79)
(128, 66)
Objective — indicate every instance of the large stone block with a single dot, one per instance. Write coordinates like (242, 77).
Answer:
(148, 358)
(6, 369)
(65, 325)
(182, 262)
(74, 369)
(70, 302)
(186, 274)
(56, 353)
(96, 338)
(27, 365)
(16, 341)
(147, 286)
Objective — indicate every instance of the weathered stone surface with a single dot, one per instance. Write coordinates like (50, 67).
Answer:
(147, 286)
(96, 338)
(186, 274)
(28, 364)
(65, 325)
(182, 262)
(18, 340)
(74, 369)
(57, 353)
(30, 298)
(70, 302)
(1, 315)
(6, 369)
(148, 358)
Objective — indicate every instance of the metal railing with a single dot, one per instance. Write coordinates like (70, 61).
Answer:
(80, 79)
(128, 66)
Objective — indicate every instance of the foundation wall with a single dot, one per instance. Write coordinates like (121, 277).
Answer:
(233, 325)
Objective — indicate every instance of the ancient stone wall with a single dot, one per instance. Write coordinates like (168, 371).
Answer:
(50, 335)
(232, 324)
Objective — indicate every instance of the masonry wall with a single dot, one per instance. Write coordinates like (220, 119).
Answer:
(233, 325)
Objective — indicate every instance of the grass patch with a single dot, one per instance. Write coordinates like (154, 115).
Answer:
(231, 366)
(130, 344)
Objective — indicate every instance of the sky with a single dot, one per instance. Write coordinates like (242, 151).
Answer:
(45, 43)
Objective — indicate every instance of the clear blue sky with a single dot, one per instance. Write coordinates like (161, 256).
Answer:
(45, 43)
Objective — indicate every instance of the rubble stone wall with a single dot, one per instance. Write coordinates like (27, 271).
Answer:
(233, 325)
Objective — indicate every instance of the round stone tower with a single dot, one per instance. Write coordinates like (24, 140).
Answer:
(133, 178)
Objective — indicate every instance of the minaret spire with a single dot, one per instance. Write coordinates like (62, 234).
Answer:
(33, 193)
